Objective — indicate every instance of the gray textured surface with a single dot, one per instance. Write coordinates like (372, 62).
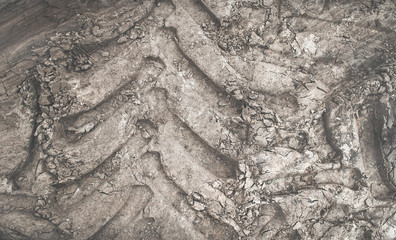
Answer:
(201, 119)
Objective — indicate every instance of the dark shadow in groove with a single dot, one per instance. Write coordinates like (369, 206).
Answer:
(182, 195)
(377, 123)
(158, 158)
(69, 120)
(101, 230)
(230, 165)
(206, 8)
(72, 118)
(329, 139)
(218, 88)
(35, 85)
(279, 8)
(80, 178)
(146, 122)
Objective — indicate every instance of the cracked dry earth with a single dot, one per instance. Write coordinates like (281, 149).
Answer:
(197, 119)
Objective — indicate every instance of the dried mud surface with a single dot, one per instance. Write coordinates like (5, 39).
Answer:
(197, 119)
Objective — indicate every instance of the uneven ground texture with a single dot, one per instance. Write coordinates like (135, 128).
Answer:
(197, 119)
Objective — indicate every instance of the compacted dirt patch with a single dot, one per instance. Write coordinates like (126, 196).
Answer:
(197, 119)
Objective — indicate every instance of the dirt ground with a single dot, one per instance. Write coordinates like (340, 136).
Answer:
(197, 119)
